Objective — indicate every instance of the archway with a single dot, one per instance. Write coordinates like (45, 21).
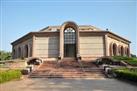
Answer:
(19, 52)
(110, 49)
(114, 49)
(69, 42)
(128, 54)
(65, 27)
(26, 50)
(119, 50)
(122, 51)
(14, 54)
(126, 51)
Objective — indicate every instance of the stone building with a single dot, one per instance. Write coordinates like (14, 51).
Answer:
(70, 40)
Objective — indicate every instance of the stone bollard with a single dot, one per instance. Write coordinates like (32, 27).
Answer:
(25, 71)
(108, 70)
(31, 67)
(104, 66)
(37, 62)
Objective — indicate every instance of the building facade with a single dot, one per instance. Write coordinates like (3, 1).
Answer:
(70, 40)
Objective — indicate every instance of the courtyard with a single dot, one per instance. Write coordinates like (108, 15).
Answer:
(60, 84)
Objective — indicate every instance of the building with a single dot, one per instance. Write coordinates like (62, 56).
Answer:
(70, 40)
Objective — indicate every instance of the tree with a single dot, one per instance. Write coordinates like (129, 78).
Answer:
(133, 55)
(5, 55)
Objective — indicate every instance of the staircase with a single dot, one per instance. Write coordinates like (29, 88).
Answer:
(67, 69)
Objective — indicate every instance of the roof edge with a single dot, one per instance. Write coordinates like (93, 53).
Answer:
(31, 33)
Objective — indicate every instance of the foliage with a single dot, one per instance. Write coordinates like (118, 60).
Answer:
(8, 75)
(5, 55)
(129, 60)
(126, 73)
(133, 55)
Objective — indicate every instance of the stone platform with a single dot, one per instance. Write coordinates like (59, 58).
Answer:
(67, 69)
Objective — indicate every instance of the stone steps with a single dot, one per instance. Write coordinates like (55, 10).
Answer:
(68, 70)
(67, 75)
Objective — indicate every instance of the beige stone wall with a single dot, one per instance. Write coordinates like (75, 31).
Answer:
(22, 53)
(91, 46)
(46, 47)
(117, 42)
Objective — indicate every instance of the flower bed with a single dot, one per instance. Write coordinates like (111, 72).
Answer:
(7, 75)
(126, 73)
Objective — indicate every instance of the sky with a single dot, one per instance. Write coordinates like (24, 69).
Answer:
(19, 17)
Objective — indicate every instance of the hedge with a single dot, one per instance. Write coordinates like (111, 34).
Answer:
(129, 60)
(8, 75)
(129, 74)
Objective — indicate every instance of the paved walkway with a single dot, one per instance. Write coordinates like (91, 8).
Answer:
(60, 84)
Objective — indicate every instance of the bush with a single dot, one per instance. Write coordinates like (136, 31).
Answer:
(125, 73)
(5, 55)
(107, 60)
(121, 58)
(9, 75)
(129, 60)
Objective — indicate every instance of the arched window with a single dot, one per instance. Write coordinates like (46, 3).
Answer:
(69, 42)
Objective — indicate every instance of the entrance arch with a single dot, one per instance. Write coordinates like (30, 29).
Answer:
(71, 26)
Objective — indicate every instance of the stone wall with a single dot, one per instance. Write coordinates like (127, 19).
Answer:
(47, 47)
(91, 47)
(19, 50)
(118, 44)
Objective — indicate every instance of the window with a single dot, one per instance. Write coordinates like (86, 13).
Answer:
(69, 36)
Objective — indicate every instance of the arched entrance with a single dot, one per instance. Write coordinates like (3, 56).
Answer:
(114, 49)
(26, 51)
(128, 54)
(19, 52)
(122, 51)
(69, 42)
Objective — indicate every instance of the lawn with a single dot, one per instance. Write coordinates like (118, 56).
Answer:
(7, 75)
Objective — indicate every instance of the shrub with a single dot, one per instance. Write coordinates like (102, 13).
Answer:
(5, 55)
(8, 75)
(129, 60)
(121, 58)
(125, 73)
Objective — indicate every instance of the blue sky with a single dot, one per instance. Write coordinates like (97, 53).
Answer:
(18, 17)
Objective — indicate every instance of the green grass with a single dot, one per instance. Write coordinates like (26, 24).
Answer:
(7, 75)
(129, 60)
(126, 73)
